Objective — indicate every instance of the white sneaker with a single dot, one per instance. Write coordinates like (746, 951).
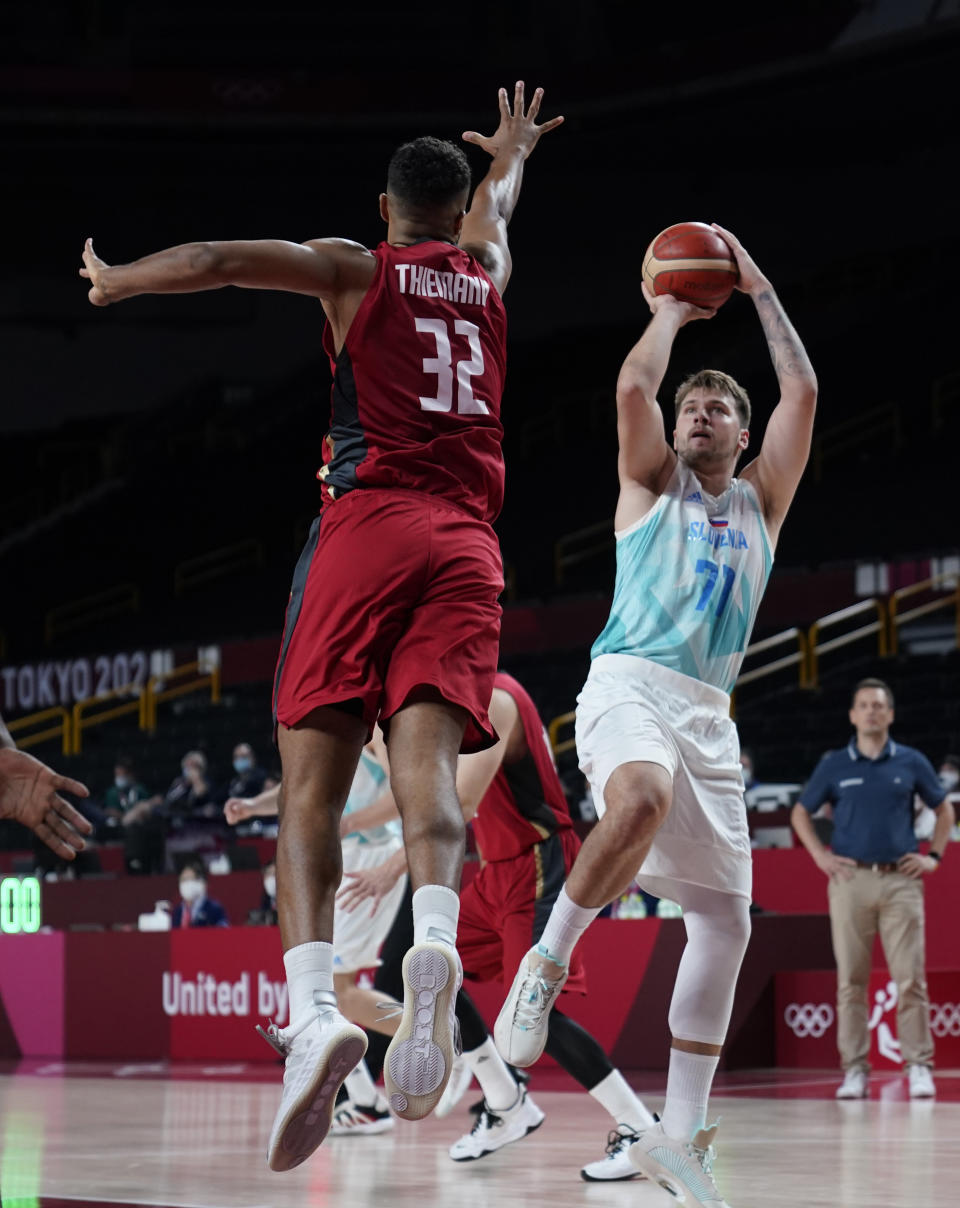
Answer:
(320, 1051)
(354, 1120)
(616, 1164)
(493, 1130)
(420, 1058)
(457, 1087)
(855, 1084)
(921, 1082)
(684, 1168)
(520, 1032)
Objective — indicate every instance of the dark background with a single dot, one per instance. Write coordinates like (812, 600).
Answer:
(823, 133)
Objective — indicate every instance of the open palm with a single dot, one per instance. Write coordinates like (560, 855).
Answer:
(30, 794)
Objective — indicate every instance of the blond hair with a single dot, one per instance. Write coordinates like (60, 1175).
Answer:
(715, 379)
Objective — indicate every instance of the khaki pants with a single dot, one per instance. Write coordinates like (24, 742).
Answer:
(893, 904)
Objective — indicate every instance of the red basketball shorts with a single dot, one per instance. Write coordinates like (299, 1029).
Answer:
(395, 591)
(505, 908)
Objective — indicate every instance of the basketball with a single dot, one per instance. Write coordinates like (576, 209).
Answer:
(693, 263)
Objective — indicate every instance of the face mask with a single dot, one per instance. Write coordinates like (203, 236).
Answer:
(191, 890)
(950, 780)
(122, 782)
(242, 764)
(270, 886)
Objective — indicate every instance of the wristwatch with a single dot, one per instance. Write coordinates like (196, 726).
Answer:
(935, 856)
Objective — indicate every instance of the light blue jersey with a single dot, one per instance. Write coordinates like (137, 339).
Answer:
(368, 784)
(690, 577)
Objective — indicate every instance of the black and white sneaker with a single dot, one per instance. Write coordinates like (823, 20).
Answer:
(616, 1165)
(493, 1130)
(355, 1120)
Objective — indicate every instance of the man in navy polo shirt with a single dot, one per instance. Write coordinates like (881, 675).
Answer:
(876, 880)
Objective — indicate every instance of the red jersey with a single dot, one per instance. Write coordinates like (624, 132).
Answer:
(417, 385)
(525, 802)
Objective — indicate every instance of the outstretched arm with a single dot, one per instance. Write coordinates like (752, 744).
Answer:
(777, 470)
(484, 232)
(645, 460)
(264, 805)
(322, 268)
(30, 794)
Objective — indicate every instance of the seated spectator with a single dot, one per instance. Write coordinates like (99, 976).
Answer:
(746, 769)
(266, 915)
(125, 792)
(129, 805)
(249, 778)
(191, 795)
(195, 909)
(949, 773)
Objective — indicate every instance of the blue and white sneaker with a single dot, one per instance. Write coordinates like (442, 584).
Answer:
(520, 1032)
(683, 1168)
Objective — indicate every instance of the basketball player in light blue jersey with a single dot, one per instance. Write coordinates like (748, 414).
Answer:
(654, 736)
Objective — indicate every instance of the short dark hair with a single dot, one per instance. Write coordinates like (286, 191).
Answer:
(872, 682)
(195, 864)
(715, 379)
(428, 173)
(126, 762)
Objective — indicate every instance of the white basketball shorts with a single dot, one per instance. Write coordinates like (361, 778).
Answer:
(632, 709)
(358, 935)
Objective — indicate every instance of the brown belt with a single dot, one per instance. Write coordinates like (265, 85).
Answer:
(878, 867)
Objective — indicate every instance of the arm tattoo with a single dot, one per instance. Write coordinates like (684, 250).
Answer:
(787, 353)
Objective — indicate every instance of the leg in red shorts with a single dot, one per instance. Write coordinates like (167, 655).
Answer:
(506, 906)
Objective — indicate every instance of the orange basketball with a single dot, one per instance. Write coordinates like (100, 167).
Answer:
(692, 262)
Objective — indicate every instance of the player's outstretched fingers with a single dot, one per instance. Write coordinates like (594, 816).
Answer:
(518, 99)
(63, 784)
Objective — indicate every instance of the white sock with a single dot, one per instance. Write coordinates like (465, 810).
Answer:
(309, 967)
(499, 1086)
(567, 922)
(437, 909)
(361, 1087)
(614, 1093)
(688, 1087)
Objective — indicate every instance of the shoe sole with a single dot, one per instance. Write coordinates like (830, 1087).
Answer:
(310, 1116)
(615, 1178)
(420, 1056)
(653, 1170)
(526, 1133)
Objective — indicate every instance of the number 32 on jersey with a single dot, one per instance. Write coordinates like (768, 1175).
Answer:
(443, 366)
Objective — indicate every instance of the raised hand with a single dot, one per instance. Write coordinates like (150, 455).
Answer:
(93, 269)
(29, 794)
(517, 129)
(750, 276)
(685, 311)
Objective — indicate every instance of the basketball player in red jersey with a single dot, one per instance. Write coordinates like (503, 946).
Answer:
(394, 610)
(525, 835)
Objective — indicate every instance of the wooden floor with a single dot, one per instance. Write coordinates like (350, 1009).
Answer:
(178, 1139)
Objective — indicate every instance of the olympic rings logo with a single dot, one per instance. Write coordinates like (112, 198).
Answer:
(945, 1019)
(809, 1019)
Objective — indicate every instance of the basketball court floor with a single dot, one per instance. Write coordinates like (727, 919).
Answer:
(194, 1137)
